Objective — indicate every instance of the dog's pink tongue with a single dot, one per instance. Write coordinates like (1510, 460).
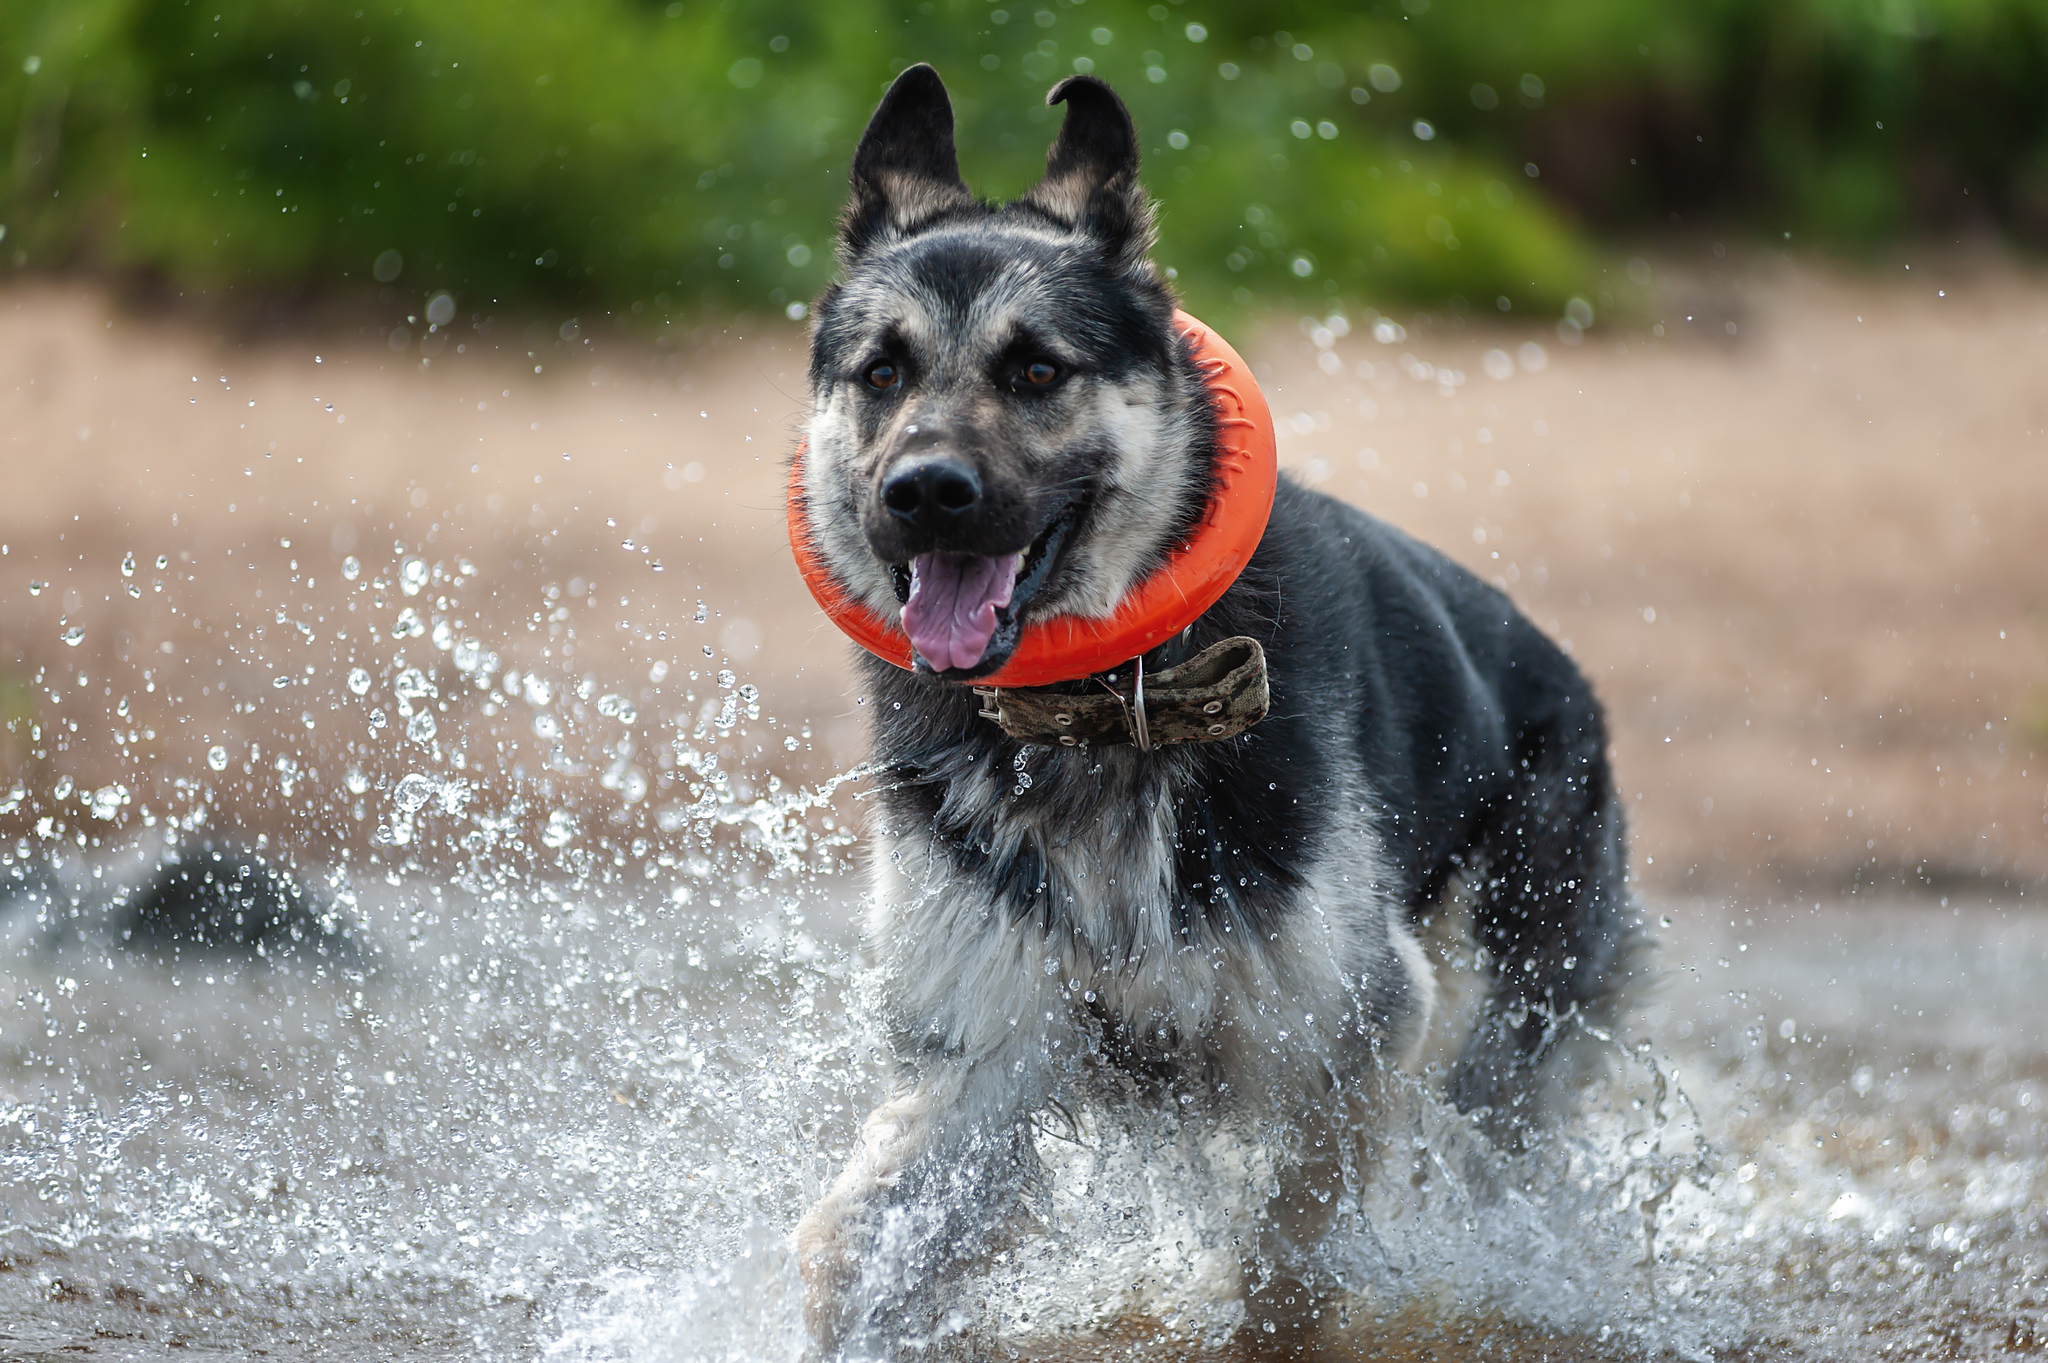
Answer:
(951, 614)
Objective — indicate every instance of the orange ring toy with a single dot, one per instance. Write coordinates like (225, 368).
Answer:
(1069, 647)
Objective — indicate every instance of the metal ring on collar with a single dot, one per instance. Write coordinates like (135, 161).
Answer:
(1138, 730)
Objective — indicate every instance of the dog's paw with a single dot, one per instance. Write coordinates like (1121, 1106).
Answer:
(828, 1265)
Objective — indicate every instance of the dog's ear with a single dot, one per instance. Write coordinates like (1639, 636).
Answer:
(905, 171)
(1091, 172)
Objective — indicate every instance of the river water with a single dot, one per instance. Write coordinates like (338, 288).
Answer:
(573, 1116)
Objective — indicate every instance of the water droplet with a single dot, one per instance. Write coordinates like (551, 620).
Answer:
(420, 728)
(412, 684)
(62, 788)
(107, 801)
(35, 588)
(163, 561)
(413, 574)
(217, 757)
(408, 625)
(128, 565)
(538, 690)
(413, 791)
(561, 828)
(351, 568)
(726, 679)
(73, 637)
(359, 681)
(618, 707)
(280, 682)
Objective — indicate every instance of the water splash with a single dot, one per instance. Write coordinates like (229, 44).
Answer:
(603, 1041)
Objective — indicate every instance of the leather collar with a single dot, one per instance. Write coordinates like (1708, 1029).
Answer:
(1217, 694)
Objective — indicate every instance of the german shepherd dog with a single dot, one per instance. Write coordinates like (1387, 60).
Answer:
(1005, 426)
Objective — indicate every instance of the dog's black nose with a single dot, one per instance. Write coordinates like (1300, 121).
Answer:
(931, 493)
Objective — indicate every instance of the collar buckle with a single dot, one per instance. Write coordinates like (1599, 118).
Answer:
(1138, 729)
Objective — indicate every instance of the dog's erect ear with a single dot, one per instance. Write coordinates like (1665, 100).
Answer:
(905, 171)
(1091, 173)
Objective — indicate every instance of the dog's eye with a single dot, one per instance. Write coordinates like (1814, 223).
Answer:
(1040, 373)
(883, 376)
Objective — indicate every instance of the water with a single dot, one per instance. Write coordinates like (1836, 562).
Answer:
(443, 1145)
(597, 1036)
(574, 1116)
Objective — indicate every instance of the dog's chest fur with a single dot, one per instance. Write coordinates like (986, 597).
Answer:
(1189, 908)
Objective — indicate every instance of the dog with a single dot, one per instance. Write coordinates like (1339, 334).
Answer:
(1006, 427)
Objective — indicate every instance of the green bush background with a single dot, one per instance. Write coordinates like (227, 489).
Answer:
(688, 158)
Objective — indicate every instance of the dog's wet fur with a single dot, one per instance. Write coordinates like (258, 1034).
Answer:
(1226, 928)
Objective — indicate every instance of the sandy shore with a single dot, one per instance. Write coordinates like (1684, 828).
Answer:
(1800, 559)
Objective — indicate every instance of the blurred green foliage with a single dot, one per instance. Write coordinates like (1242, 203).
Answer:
(670, 159)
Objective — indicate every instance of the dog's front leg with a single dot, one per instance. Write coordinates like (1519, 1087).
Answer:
(937, 1165)
(1287, 1306)
(922, 1189)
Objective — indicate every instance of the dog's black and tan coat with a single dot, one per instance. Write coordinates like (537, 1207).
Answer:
(1005, 426)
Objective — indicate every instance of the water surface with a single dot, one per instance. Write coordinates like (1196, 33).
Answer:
(574, 1117)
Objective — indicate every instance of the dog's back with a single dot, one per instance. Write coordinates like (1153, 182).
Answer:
(1485, 752)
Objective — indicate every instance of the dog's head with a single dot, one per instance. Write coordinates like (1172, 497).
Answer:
(1004, 424)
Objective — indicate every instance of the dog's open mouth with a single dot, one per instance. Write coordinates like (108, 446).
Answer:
(963, 611)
